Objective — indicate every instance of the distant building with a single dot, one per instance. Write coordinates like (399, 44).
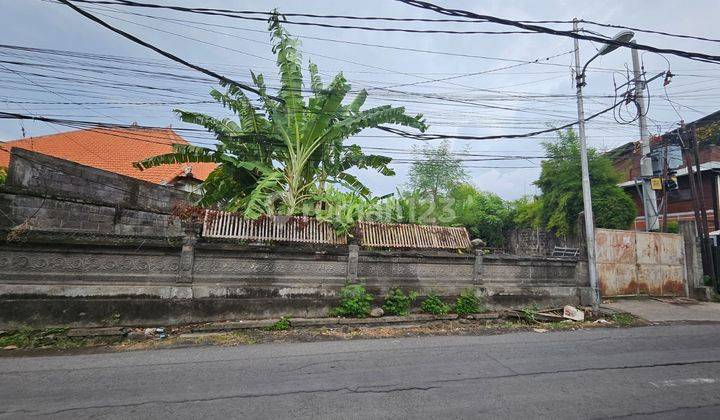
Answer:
(626, 160)
(116, 150)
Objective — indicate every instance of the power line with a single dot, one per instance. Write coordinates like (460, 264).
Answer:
(234, 13)
(424, 136)
(570, 34)
(162, 52)
(649, 31)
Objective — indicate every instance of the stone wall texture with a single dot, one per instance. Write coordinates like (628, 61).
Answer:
(60, 278)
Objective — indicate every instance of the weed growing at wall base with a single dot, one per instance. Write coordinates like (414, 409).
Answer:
(282, 324)
(355, 302)
(434, 305)
(398, 303)
(468, 303)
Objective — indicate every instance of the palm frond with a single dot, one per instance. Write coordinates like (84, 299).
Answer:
(315, 80)
(351, 182)
(181, 153)
(288, 61)
(267, 185)
(358, 102)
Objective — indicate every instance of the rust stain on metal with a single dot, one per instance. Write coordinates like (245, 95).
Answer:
(398, 235)
(640, 263)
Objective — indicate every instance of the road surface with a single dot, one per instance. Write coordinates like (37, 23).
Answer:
(658, 372)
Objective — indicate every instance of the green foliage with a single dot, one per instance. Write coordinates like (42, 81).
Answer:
(468, 303)
(434, 305)
(284, 156)
(27, 337)
(673, 226)
(437, 172)
(526, 212)
(612, 207)
(3, 176)
(355, 302)
(282, 324)
(623, 319)
(531, 311)
(398, 303)
(484, 214)
(560, 182)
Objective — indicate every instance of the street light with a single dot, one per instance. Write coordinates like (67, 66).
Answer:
(623, 36)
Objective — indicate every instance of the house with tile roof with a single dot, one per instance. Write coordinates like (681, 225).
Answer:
(115, 150)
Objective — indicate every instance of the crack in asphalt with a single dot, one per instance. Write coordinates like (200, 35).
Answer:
(589, 369)
(652, 413)
(378, 389)
(356, 390)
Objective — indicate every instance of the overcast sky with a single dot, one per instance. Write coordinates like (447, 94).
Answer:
(71, 87)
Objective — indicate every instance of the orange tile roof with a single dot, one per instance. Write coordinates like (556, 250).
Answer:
(113, 150)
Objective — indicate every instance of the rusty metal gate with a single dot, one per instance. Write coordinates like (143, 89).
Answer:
(640, 263)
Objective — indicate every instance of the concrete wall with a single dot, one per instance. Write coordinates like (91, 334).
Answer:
(46, 193)
(540, 242)
(60, 278)
(95, 248)
(39, 174)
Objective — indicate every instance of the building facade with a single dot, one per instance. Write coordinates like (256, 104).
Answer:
(676, 146)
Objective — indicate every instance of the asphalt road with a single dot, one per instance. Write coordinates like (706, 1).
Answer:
(659, 372)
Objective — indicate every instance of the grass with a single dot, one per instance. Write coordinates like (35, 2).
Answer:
(27, 337)
(623, 319)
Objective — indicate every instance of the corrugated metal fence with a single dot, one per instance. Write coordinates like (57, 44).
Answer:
(220, 224)
(299, 229)
(395, 235)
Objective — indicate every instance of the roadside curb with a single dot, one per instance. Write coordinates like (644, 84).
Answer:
(294, 322)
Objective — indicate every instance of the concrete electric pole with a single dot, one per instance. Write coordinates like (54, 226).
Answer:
(587, 197)
(646, 171)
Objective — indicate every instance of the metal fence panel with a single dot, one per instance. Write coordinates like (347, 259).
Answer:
(299, 229)
(397, 235)
(640, 263)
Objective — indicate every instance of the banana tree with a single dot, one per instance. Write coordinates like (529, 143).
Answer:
(283, 154)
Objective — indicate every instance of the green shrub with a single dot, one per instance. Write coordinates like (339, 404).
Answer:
(673, 226)
(434, 305)
(398, 303)
(355, 302)
(468, 303)
(282, 324)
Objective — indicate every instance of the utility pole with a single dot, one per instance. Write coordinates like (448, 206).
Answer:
(649, 199)
(587, 197)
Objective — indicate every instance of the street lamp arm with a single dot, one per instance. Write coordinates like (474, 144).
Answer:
(580, 78)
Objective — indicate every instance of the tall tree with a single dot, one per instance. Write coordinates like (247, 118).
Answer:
(561, 186)
(282, 156)
(437, 172)
(486, 215)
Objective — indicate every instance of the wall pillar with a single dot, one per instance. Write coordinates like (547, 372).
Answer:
(478, 268)
(693, 262)
(352, 268)
(187, 254)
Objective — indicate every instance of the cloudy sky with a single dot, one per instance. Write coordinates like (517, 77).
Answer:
(100, 76)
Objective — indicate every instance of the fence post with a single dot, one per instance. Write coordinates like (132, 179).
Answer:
(187, 253)
(478, 267)
(692, 254)
(352, 267)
